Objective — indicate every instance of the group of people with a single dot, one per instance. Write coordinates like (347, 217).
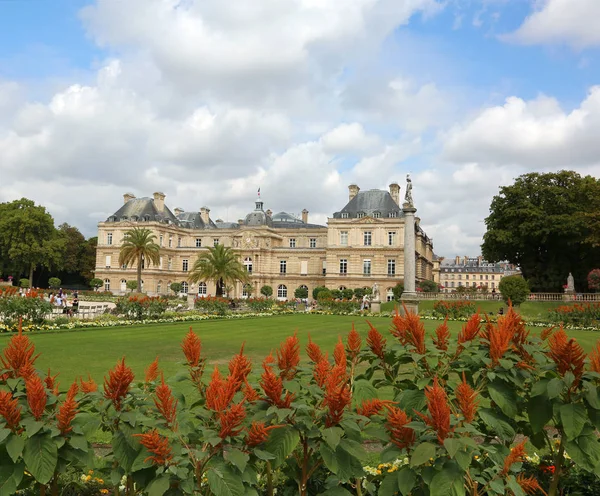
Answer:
(60, 300)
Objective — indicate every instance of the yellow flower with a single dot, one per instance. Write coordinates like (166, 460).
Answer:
(99, 481)
(103, 491)
(88, 478)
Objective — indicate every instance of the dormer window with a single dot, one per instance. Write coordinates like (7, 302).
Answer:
(393, 214)
(123, 219)
(376, 215)
(360, 215)
(344, 215)
(147, 218)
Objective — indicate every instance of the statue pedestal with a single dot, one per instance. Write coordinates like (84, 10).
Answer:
(569, 295)
(190, 300)
(376, 306)
(410, 301)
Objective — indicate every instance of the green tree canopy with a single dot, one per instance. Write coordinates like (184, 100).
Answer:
(221, 265)
(139, 247)
(514, 289)
(542, 224)
(266, 291)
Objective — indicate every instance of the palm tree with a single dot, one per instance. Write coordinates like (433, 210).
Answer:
(138, 246)
(219, 264)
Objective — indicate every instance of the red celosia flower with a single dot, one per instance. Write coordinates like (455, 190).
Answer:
(152, 371)
(400, 435)
(231, 420)
(272, 385)
(250, 393)
(439, 410)
(36, 396)
(192, 347)
(499, 337)
(517, 454)
(67, 411)
(354, 343)
(166, 404)
(313, 351)
(368, 408)
(51, 383)
(240, 366)
(567, 354)
(467, 400)
(220, 392)
(376, 342)
(10, 410)
(442, 336)
(288, 357)
(546, 333)
(117, 384)
(321, 370)
(18, 356)
(157, 445)
(88, 386)
(258, 433)
(339, 353)
(595, 358)
(409, 330)
(470, 330)
(530, 485)
(337, 395)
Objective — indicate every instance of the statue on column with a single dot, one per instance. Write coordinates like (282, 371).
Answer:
(408, 195)
(375, 292)
(570, 284)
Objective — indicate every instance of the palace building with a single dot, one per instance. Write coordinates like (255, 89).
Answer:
(362, 244)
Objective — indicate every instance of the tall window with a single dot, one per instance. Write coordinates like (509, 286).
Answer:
(106, 284)
(184, 287)
(367, 238)
(245, 291)
(202, 288)
(109, 238)
(198, 242)
(158, 286)
(215, 242)
(312, 243)
(160, 240)
(160, 265)
(170, 264)
(467, 276)
(281, 291)
(248, 264)
(343, 238)
(292, 242)
(184, 266)
(282, 266)
(170, 241)
(391, 267)
(107, 264)
(343, 266)
(392, 238)
(179, 242)
(367, 267)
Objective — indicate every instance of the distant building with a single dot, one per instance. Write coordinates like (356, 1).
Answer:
(362, 244)
(473, 273)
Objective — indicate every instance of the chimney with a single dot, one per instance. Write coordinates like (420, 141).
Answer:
(241, 222)
(159, 201)
(204, 215)
(457, 260)
(395, 193)
(305, 216)
(127, 197)
(269, 212)
(466, 259)
(480, 260)
(353, 190)
(178, 211)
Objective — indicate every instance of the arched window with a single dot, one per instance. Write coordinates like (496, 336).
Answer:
(389, 295)
(141, 290)
(342, 288)
(123, 285)
(304, 286)
(248, 264)
(106, 284)
(184, 287)
(282, 291)
(202, 288)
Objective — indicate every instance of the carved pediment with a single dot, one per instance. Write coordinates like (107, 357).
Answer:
(367, 220)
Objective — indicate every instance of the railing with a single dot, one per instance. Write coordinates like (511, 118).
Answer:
(498, 296)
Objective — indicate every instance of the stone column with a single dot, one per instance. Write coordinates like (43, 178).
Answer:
(409, 297)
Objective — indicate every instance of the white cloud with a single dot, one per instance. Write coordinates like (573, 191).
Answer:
(347, 138)
(572, 22)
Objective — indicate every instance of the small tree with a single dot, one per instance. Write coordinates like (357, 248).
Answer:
(301, 292)
(398, 289)
(514, 288)
(176, 287)
(54, 282)
(24, 283)
(359, 293)
(428, 286)
(95, 283)
(347, 294)
(317, 290)
(131, 285)
(266, 291)
(324, 294)
(593, 279)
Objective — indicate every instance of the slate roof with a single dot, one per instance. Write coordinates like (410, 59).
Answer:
(193, 220)
(142, 209)
(371, 202)
(258, 217)
(283, 220)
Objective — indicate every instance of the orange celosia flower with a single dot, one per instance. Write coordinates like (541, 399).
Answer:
(354, 343)
(409, 330)
(313, 351)
(499, 337)
(67, 411)
(220, 392)
(231, 420)
(250, 393)
(165, 403)
(595, 358)
(470, 330)
(546, 333)
(517, 454)
(467, 400)
(442, 336)
(118, 383)
(10, 410)
(567, 354)
(376, 342)
(18, 356)
(88, 386)
(321, 370)
(272, 385)
(400, 435)
(192, 347)
(288, 357)
(51, 383)
(157, 445)
(258, 433)
(240, 366)
(36, 396)
(339, 353)
(530, 485)
(337, 395)
(439, 410)
(368, 408)
(152, 371)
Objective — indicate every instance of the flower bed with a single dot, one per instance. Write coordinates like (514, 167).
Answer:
(453, 309)
(579, 314)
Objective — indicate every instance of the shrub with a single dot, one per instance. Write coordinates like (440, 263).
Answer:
(259, 305)
(24, 283)
(54, 282)
(324, 294)
(266, 291)
(301, 292)
(317, 290)
(131, 285)
(514, 289)
(31, 307)
(398, 289)
(96, 283)
(212, 305)
(336, 294)
(347, 294)
(141, 307)
(453, 309)
(428, 286)
(338, 307)
(176, 287)
(593, 279)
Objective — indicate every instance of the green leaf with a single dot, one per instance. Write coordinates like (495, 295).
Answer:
(411, 400)
(555, 387)
(336, 491)
(32, 426)
(406, 480)
(125, 454)
(354, 448)
(40, 455)
(504, 396)
(15, 446)
(514, 486)
(573, 418)
(263, 455)
(498, 486)
(452, 446)
(348, 465)
(422, 454)
(389, 485)
(79, 442)
(363, 390)
(225, 483)
(497, 423)
(539, 410)
(591, 396)
(8, 485)
(159, 486)
(282, 443)
(539, 388)
(448, 482)
(329, 458)
(4, 434)
(463, 458)
(332, 436)
(237, 458)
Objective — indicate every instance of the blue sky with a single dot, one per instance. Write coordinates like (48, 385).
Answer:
(208, 100)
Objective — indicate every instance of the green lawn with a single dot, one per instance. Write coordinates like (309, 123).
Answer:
(97, 350)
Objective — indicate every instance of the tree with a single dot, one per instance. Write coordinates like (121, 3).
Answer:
(593, 279)
(221, 265)
(139, 246)
(317, 290)
(54, 282)
(398, 289)
(543, 223)
(176, 287)
(78, 256)
(87, 264)
(28, 238)
(301, 292)
(131, 285)
(347, 294)
(95, 283)
(24, 283)
(514, 288)
(428, 286)
(266, 291)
